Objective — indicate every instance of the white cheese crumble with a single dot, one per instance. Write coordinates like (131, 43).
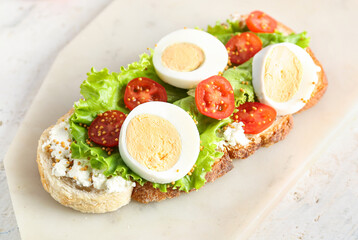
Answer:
(60, 168)
(234, 135)
(59, 141)
(58, 144)
(81, 176)
(117, 184)
(114, 184)
(99, 180)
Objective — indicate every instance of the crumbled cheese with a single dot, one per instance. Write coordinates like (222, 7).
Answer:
(59, 145)
(81, 176)
(99, 180)
(60, 168)
(234, 135)
(58, 141)
(118, 184)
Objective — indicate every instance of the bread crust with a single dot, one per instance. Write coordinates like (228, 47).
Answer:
(147, 194)
(322, 83)
(275, 133)
(64, 190)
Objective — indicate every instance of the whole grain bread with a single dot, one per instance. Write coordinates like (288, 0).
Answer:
(276, 132)
(147, 194)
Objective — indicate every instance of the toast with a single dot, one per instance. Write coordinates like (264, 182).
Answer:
(65, 191)
(275, 133)
(91, 200)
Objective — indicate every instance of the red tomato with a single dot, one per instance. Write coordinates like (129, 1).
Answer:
(214, 97)
(105, 128)
(260, 22)
(243, 47)
(256, 116)
(142, 90)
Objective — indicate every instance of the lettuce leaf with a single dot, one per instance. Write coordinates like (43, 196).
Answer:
(240, 78)
(224, 31)
(300, 39)
(189, 105)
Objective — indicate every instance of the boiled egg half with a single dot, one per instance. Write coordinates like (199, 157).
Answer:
(185, 57)
(159, 141)
(284, 77)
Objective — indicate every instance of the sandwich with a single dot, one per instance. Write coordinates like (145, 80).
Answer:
(176, 119)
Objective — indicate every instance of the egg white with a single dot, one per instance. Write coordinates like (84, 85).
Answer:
(309, 76)
(188, 133)
(216, 57)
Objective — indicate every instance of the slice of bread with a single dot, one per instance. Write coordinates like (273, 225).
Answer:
(68, 193)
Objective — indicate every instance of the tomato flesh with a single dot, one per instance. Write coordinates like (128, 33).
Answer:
(256, 117)
(242, 47)
(214, 97)
(105, 128)
(141, 90)
(260, 22)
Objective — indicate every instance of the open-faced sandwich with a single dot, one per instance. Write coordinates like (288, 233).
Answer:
(174, 121)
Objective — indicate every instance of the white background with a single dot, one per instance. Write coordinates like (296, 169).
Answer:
(323, 205)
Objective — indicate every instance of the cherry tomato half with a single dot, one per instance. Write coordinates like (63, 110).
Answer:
(243, 47)
(214, 97)
(105, 128)
(141, 90)
(256, 116)
(260, 22)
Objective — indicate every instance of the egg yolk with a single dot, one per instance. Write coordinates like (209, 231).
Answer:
(183, 57)
(153, 142)
(283, 74)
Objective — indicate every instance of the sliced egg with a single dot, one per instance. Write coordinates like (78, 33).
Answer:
(159, 141)
(284, 77)
(185, 57)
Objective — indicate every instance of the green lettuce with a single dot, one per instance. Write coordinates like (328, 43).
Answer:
(240, 78)
(300, 39)
(188, 104)
(224, 31)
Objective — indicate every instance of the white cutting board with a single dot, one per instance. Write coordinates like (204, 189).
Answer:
(231, 207)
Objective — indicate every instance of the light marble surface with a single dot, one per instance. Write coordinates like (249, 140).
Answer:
(323, 204)
(32, 33)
